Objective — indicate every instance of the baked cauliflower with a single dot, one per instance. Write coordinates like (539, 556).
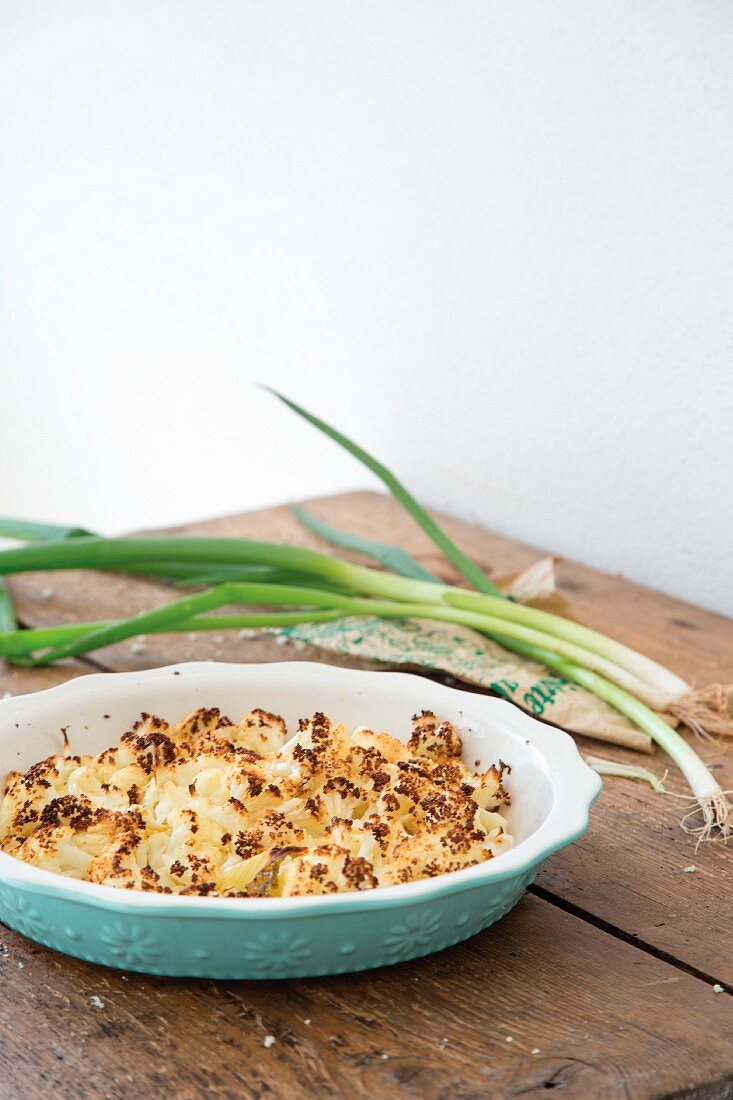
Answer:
(209, 807)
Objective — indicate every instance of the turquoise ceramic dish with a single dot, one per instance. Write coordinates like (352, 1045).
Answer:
(552, 791)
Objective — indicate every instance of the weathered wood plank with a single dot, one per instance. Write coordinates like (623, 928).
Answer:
(629, 869)
(23, 681)
(541, 1001)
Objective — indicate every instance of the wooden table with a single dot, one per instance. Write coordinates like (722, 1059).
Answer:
(600, 983)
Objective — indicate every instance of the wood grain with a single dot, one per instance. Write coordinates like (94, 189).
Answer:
(610, 1013)
(23, 681)
(605, 1019)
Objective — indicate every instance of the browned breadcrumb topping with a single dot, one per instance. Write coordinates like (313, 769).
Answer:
(208, 807)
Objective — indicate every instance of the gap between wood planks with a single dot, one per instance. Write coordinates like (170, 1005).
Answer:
(628, 937)
(566, 906)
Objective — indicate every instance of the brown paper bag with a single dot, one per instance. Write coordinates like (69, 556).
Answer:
(472, 658)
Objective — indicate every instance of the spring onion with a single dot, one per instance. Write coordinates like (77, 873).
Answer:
(426, 600)
(717, 812)
(626, 771)
(654, 683)
(478, 609)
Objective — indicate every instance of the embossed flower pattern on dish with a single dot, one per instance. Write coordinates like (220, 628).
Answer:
(131, 944)
(412, 934)
(22, 915)
(277, 952)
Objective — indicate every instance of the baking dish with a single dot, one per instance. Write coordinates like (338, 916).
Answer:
(551, 788)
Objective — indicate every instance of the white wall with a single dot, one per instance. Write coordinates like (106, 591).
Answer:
(492, 240)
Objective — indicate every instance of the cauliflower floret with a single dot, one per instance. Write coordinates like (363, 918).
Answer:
(327, 869)
(488, 789)
(318, 749)
(437, 740)
(261, 732)
(392, 750)
(73, 836)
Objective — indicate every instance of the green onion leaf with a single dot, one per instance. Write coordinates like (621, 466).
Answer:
(8, 620)
(28, 531)
(626, 771)
(392, 557)
(461, 561)
(171, 615)
(19, 646)
(270, 576)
